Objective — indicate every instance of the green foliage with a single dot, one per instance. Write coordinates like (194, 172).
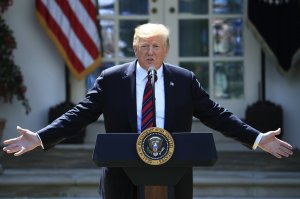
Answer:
(11, 79)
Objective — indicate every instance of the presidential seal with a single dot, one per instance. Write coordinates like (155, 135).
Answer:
(155, 146)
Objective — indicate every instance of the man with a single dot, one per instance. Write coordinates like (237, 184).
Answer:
(118, 95)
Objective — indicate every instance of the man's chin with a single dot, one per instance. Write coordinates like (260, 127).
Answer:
(150, 63)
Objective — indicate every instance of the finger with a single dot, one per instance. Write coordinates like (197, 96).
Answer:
(12, 140)
(286, 145)
(276, 155)
(9, 147)
(286, 150)
(283, 153)
(13, 149)
(20, 152)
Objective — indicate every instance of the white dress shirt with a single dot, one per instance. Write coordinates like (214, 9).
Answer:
(141, 80)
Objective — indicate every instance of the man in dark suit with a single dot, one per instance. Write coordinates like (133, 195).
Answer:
(118, 93)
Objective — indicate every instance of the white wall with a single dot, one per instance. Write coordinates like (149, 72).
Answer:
(42, 68)
(284, 89)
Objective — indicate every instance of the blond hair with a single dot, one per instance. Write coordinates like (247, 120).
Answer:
(151, 29)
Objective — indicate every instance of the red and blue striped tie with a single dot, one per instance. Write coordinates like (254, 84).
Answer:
(147, 108)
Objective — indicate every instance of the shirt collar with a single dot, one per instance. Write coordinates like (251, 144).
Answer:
(141, 73)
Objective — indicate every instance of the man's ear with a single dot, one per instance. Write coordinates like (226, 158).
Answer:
(135, 50)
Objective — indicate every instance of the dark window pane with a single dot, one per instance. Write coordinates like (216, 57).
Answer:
(193, 38)
(133, 7)
(228, 6)
(193, 6)
(201, 70)
(228, 80)
(228, 37)
(126, 37)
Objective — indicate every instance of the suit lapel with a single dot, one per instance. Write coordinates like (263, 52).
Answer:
(169, 83)
(130, 79)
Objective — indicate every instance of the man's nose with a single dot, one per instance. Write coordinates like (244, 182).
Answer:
(150, 50)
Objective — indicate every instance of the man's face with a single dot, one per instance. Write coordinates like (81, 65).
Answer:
(151, 51)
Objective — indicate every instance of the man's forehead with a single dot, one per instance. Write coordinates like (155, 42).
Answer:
(153, 38)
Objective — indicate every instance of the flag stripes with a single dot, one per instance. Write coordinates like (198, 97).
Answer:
(72, 26)
(80, 32)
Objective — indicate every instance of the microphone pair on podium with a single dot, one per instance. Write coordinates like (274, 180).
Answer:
(152, 74)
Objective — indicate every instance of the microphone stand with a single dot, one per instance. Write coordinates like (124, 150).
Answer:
(153, 98)
(153, 78)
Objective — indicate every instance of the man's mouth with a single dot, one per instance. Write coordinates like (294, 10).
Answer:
(150, 60)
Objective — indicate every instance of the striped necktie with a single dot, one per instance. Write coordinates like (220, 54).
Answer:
(147, 107)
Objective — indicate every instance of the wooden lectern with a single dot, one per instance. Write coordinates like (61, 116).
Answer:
(119, 150)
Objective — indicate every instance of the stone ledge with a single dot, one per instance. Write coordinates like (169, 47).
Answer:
(83, 183)
(241, 184)
(49, 177)
(91, 176)
(217, 197)
(246, 178)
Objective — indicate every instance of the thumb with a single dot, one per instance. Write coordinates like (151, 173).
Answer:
(277, 132)
(21, 130)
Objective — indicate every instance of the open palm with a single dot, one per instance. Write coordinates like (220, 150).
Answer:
(271, 144)
(27, 141)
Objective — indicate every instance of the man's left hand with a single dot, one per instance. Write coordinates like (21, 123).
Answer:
(271, 144)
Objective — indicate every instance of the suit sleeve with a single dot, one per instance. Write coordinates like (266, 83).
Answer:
(220, 119)
(84, 113)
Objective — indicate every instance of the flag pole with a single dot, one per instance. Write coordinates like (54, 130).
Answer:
(98, 26)
(263, 76)
(67, 84)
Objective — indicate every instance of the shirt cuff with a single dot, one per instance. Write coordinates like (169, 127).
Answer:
(40, 140)
(258, 138)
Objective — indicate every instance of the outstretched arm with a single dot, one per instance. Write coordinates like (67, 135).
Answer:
(27, 141)
(271, 144)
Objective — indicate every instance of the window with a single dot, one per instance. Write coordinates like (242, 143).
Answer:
(207, 37)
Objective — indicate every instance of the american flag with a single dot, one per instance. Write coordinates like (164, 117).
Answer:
(72, 26)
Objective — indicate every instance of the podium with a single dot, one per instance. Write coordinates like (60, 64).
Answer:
(119, 150)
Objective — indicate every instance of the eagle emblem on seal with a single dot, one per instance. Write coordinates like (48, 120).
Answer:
(155, 146)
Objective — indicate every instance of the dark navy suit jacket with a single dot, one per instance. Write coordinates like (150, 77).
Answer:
(114, 96)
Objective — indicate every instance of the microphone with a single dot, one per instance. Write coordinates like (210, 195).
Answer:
(152, 74)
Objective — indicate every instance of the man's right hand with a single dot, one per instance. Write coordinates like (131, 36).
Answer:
(27, 141)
